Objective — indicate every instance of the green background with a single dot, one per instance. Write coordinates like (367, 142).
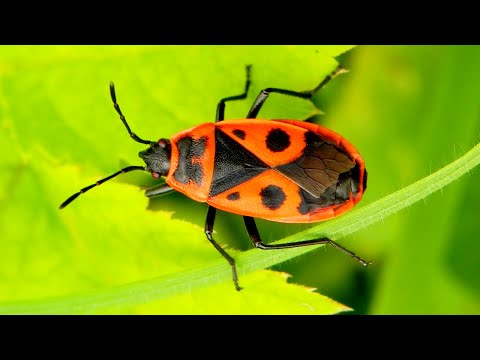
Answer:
(408, 109)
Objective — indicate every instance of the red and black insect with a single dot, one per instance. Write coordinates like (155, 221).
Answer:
(280, 170)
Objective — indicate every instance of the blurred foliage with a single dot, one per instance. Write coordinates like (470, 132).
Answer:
(409, 110)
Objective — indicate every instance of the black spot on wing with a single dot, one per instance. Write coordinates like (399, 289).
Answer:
(239, 133)
(233, 196)
(188, 149)
(273, 197)
(277, 140)
(365, 180)
(319, 167)
(233, 164)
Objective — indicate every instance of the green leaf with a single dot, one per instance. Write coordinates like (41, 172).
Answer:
(263, 286)
(61, 133)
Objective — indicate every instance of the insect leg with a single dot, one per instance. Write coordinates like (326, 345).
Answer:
(117, 108)
(257, 241)
(208, 231)
(263, 95)
(221, 105)
(158, 190)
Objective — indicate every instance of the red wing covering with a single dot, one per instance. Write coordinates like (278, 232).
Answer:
(274, 143)
(304, 173)
(268, 196)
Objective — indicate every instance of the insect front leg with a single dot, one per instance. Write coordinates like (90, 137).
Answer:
(158, 190)
(257, 241)
(208, 232)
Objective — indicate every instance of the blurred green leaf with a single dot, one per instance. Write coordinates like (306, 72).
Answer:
(410, 110)
(437, 111)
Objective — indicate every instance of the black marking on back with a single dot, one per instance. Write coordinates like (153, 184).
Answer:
(233, 196)
(233, 164)
(335, 194)
(188, 149)
(239, 133)
(319, 167)
(364, 180)
(272, 197)
(277, 140)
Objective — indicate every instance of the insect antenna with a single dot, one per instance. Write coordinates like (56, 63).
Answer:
(99, 182)
(117, 108)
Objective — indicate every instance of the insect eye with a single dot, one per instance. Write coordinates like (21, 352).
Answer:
(162, 143)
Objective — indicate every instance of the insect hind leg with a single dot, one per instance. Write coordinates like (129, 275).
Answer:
(257, 241)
